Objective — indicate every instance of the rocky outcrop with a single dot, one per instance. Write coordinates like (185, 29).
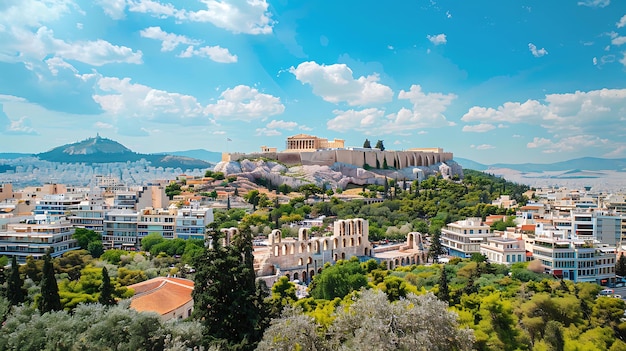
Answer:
(337, 176)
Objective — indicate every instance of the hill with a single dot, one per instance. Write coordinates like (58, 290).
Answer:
(200, 154)
(583, 163)
(103, 150)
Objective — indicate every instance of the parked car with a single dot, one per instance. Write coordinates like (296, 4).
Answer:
(607, 292)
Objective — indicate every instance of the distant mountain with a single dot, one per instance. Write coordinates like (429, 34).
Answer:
(12, 155)
(200, 154)
(103, 150)
(577, 165)
(469, 164)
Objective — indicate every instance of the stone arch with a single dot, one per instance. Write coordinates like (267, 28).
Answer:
(300, 263)
(304, 277)
(335, 243)
(311, 274)
(292, 249)
(276, 250)
(303, 234)
(343, 255)
(275, 237)
(309, 260)
(351, 242)
(358, 241)
(335, 257)
(308, 247)
(295, 276)
(396, 262)
(284, 250)
(343, 242)
(325, 245)
(319, 270)
(301, 248)
(288, 276)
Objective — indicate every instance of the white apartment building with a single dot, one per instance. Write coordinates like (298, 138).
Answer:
(573, 259)
(160, 221)
(89, 214)
(191, 222)
(120, 230)
(463, 238)
(35, 236)
(57, 204)
(503, 250)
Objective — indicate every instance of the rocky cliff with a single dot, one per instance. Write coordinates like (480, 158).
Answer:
(337, 176)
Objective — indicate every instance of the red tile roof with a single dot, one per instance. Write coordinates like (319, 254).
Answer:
(161, 295)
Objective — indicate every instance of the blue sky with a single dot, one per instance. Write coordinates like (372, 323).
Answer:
(492, 81)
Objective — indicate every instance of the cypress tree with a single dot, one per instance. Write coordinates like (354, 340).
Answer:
(106, 289)
(15, 289)
(444, 291)
(620, 268)
(225, 293)
(50, 299)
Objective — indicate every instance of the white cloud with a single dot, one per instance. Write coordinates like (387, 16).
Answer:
(103, 125)
(437, 39)
(169, 40)
(245, 103)
(280, 124)
(619, 151)
(79, 25)
(617, 41)
(479, 128)
(575, 119)
(622, 22)
(55, 63)
(267, 132)
(448, 14)
(483, 147)
(594, 3)
(21, 126)
(335, 83)
(215, 53)
(595, 61)
(237, 16)
(120, 97)
(427, 112)
(32, 13)
(366, 121)
(535, 52)
(27, 47)
(113, 8)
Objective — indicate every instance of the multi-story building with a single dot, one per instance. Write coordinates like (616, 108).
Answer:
(463, 238)
(35, 236)
(57, 204)
(503, 250)
(573, 259)
(89, 214)
(160, 221)
(120, 230)
(191, 222)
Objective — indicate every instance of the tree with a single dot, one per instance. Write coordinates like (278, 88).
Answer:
(338, 280)
(15, 288)
(49, 299)
(150, 240)
(554, 336)
(252, 197)
(444, 291)
(172, 189)
(620, 267)
(366, 144)
(225, 293)
(379, 145)
(84, 237)
(96, 249)
(436, 249)
(106, 289)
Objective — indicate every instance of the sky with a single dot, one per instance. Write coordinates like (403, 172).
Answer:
(492, 81)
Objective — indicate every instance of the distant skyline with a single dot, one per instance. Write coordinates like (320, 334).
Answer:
(491, 81)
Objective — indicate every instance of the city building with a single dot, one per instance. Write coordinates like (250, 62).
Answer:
(463, 238)
(35, 236)
(57, 204)
(120, 229)
(191, 222)
(503, 250)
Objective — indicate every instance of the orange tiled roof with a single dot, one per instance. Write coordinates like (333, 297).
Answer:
(161, 295)
(528, 227)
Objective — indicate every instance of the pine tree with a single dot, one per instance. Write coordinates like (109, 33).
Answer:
(435, 247)
(225, 293)
(106, 289)
(50, 299)
(444, 291)
(379, 145)
(15, 288)
(366, 144)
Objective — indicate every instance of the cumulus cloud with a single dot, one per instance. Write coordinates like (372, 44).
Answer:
(215, 53)
(113, 8)
(169, 41)
(537, 52)
(120, 97)
(27, 46)
(366, 120)
(437, 39)
(576, 120)
(594, 3)
(335, 83)
(32, 13)
(622, 22)
(619, 151)
(618, 40)
(55, 63)
(280, 124)
(237, 16)
(245, 103)
(427, 112)
(479, 128)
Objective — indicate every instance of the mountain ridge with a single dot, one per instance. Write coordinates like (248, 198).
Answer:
(581, 163)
